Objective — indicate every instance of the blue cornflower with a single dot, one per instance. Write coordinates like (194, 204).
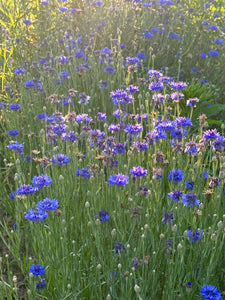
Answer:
(63, 8)
(183, 122)
(59, 129)
(218, 41)
(37, 269)
(83, 173)
(213, 27)
(191, 148)
(136, 263)
(148, 34)
(155, 136)
(141, 145)
(133, 129)
(176, 175)
(13, 132)
(48, 204)
(118, 179)
(109, 69)
(210, 292)
(29, 83)
(174, 96)
(192, 102)
(178, 85)
(204, 175)
(36, 215)
(118, 247)
(70, 136)
(106, 50)
(61, 159)
(84, 98)
(119, 148)
(27, 21)
(103, 84)
(41, 181)
(114, 127)
(138, 172)
(12, 195)
(211, 134)
(20, 70)
(132, 88)
(154, 73)
(189, 185)
(173, 35)
(190, 199)
(156, 85)
(168, 217)
(175, 195)
(169, 245)
(132, 60)
(14, 106)
(26, 189)
(103, 215)
(40, 284)
(178, 133)
(219, 143)
(42, 116)
(214, 53)
(195, 235)
(102, 116)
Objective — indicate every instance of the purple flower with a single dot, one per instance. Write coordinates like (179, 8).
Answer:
(36, 215)
(40, 284)
(214, 53)
(138, 172)
(118, 247)
(48, 204)
(156, 85)
(210, 292)
(29, 83)
(118, 179)
(119, 148)
(20, 70)
(26, 189)
(175, 175)
(13, 132)
(109, 69)
(37, 269)
(133, 129)
(211, 134)
(174, 96)
(195, 235)
(168, 217)
(83, 173)
(102, 116)
(175, 195)
(41, 181)
(61, 159)
(178, 85)
(191, 148)
(27, 21)
(189, 185)
(190, 199)
(183, 122)
(192, 102)
(103, 215)
(14, 106)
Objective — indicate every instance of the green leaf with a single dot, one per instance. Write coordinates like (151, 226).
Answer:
(213, 109)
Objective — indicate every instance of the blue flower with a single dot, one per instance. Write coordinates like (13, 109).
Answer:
(29, 83)
(175, 195)
(173, 35)
(118, 247)
(210, 292)
(138, 172)
(189, 185)
(175, 175)
(83, 173)
(102, 116)
(218, 41)
(27, 21)
(40, 284)
(156, 85)
(14, 106)
(178, 85)
(37, 269)
(190, 199)
(26, 189)
(118, 179)
(36, 215)
(183, 122)
(168, 217)
(195, 235)
(133, 129)
(103, 215)
(13, 132)
(41, 181)
(214, 53)
(109, 69)
(48, 204)
(61, 159)
(20, 70)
